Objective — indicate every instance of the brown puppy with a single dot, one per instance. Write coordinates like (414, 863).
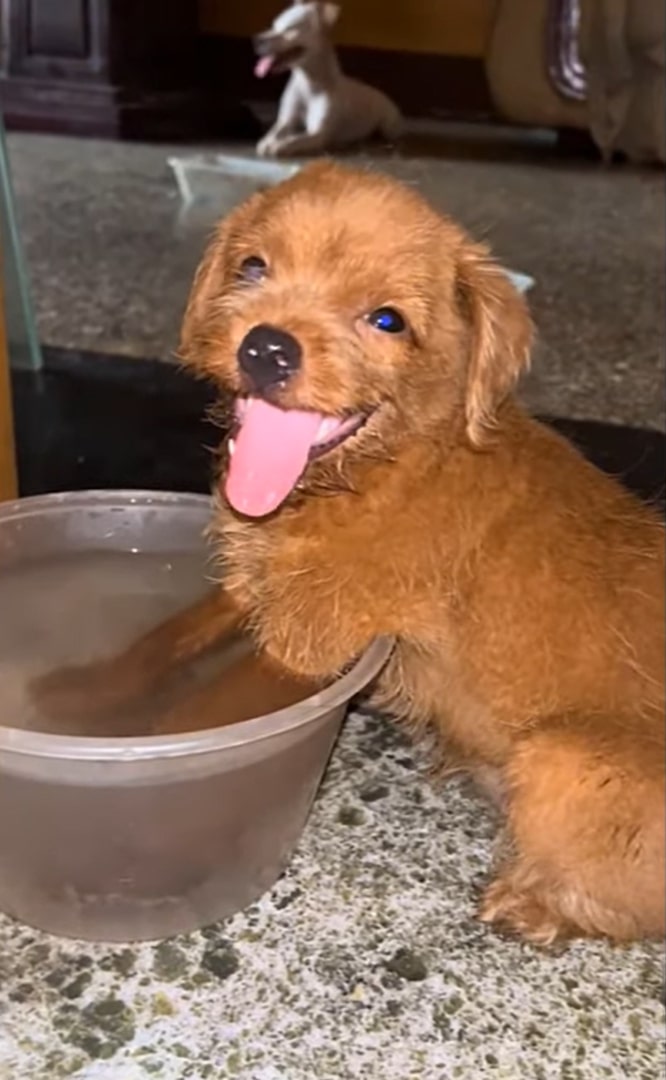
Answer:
(382, 481)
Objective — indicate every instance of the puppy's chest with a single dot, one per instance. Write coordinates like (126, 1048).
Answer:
(425, 683)
(307, 604)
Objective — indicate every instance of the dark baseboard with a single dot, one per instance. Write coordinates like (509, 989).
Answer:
(57, 107)
(91, 421)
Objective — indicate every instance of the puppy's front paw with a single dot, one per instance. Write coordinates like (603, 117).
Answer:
(70, 695)
(524, 911)
(69, 692)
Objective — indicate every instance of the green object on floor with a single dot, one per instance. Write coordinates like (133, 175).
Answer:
(24, 351)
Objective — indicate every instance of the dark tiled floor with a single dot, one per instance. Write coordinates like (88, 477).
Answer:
(111, 255)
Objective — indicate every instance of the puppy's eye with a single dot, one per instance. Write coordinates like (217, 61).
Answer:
(388, 320)
(252, 269)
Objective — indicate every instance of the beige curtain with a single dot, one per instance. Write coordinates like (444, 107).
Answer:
(622, 45)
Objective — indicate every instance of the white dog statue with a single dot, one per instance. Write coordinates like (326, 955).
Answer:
(321, 108)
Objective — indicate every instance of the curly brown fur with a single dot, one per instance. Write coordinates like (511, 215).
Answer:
(525, 589)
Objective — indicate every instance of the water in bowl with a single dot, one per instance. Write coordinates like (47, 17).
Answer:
(72, 610)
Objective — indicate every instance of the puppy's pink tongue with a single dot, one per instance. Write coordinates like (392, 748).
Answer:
(270, 454)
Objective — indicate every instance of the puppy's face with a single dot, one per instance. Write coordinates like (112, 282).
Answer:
(297, 32)
(344, 318)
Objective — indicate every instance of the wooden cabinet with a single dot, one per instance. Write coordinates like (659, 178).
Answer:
(116, 67)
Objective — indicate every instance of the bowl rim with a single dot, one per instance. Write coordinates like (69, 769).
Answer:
(121, 749)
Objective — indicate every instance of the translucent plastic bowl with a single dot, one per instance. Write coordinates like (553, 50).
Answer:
(120, 839)
(226, 179)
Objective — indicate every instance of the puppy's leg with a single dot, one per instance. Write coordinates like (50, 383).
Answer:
(586, 811)
(252, 686)
(102, 687)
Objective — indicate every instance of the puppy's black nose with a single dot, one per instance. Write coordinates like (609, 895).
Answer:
(268, 356)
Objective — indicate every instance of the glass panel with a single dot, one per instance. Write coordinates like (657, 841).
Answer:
(24, 351)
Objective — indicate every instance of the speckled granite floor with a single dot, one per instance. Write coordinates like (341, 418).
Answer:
(364, 962)
(111, 257)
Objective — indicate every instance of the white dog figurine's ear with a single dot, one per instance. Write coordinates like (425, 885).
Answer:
(329, 13)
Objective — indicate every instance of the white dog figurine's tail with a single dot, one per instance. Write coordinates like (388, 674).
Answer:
(392, 124)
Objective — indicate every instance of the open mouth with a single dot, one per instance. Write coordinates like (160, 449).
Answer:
(271, 449)
(274, 63)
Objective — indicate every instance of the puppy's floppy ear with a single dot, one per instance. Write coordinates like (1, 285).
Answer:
(329, 13)
(501, 335)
